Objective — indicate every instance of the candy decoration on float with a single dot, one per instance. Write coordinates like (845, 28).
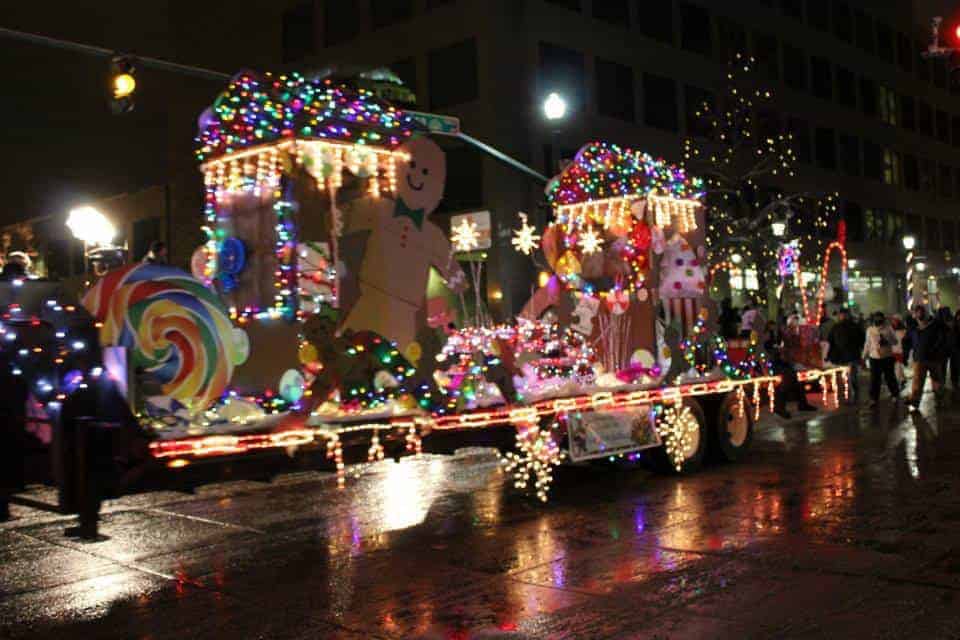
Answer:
(172, 326)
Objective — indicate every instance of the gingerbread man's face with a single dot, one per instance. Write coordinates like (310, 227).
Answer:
(421, 179)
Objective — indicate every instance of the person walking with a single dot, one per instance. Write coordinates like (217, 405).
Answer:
(846, 345)
(929, 346)
(878, 351)
(13, 416)
(899, 348)
(955, 353)
(729, 319)
(157, 254)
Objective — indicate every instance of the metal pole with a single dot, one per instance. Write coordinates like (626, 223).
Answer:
(501, 156)
(102, 52)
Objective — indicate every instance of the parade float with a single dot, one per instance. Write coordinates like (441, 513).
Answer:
(305, 322)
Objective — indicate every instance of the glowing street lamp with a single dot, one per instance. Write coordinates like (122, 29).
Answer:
(554, 107)
(736, 258)
(909, 242)
(91, 226)
(779, 228)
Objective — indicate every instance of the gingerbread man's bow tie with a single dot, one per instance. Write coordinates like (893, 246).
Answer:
(401, 210)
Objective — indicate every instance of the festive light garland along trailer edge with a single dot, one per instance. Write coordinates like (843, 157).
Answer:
(180, 451)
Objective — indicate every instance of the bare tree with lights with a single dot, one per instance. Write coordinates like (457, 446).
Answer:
(743, 167)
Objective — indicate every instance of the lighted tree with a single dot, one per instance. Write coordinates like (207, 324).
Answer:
(744, 164)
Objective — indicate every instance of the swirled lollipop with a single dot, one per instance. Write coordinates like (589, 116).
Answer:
(172, 326)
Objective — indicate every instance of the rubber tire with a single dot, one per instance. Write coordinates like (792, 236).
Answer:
(721, 444)
(662, 461)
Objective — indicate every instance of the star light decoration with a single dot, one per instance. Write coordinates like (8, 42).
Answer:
(590, 241)
(465, 236)
(525, 239)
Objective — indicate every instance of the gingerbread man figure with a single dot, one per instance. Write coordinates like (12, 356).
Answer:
(402, 247)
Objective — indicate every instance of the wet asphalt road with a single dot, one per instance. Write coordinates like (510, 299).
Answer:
(843, 526)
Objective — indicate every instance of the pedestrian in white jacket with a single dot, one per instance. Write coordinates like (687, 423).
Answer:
(878, 351)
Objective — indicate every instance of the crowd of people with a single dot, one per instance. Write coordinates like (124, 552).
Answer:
(926, 343)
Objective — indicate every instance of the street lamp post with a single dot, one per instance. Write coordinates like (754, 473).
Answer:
(554, 110)
(909, 242)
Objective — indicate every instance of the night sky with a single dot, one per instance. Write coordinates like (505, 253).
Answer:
(62, 145)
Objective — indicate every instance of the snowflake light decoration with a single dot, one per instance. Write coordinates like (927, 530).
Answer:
(525, 239)
(676, 427)
(465, 236)
(590, 241)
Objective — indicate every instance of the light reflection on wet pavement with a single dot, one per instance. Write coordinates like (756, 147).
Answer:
(847, 525)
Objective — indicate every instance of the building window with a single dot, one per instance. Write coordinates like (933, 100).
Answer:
(885, 48)
(940, 73)
(863, 24)
(895, 226)
(923, 67)
(888, 105)
(732, 39)
(818, 14)
(298, 32)
(868, 97)
(946, 181)
(933, 233)
(695, 29)
(846, 88)
(908, 113)
(911, 172)
(825, 148)
(853, 216)
(874, 162)
(905, 52)
(572, 5)
(943, 126)
(341, 22)
(874, 227)
(821, 79)
(849, 154)
(656, 19)
(794, 68)
(792, 9)
(613, 11)
(924, 118)
(660, 102)
(768, 123)
(464, 186)
(384, 13)
(928, 176)
(799, 129)
(698, 104)
(842, 20)
(891, 167)
(562, 70)
(766, 50)
(949, 235)
(615, 90)
(452, 74)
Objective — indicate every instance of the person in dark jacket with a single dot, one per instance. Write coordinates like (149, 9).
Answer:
(729, 319)
(790, 387)
(929, 341)
(13, 415)
(846, 344)
(955, 353)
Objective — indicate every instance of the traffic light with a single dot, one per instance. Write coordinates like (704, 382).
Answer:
(123, 83)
